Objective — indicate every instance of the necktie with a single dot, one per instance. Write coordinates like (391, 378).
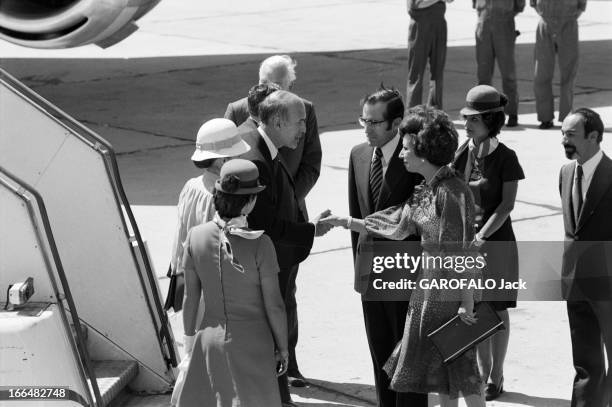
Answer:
(376, 176)
(577, 194)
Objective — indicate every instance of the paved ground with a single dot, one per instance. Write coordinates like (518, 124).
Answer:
(149, 94)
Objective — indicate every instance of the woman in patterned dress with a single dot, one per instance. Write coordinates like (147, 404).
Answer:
(441, 211)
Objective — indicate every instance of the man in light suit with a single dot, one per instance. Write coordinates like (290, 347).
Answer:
(378, 180)
(304, 164)
(586, 193)
(282, 124)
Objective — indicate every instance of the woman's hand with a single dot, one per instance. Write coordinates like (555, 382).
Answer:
(466, 312)
(282, 362)
(336, 220)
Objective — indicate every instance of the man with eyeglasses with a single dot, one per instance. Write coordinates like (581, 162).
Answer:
(304, 165)
(378, 180)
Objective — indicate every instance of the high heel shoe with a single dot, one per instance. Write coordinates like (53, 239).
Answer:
(493, 391)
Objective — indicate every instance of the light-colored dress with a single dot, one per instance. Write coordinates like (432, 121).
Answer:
(232, 363)
(443, 215)
(195, 207)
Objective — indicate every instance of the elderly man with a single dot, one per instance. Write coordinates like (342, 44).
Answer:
(585, 185)
(304, 165)
(282, 124)
(426, 43)
(495, 39)
(557, 34)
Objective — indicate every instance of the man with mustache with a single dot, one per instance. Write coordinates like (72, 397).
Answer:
(585, 185)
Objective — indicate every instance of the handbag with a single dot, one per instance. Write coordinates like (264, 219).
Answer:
(455, 337)
(176, 290)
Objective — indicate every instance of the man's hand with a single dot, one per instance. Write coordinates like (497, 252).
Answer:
(336, 220)
(320, 227)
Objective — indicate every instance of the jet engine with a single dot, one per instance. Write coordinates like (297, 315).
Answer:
(70, 23)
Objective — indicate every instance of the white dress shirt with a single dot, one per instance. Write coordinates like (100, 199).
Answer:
(387, 153)
(588, 169)
(269, 143)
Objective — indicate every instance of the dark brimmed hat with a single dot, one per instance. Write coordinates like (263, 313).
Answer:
(483, 99)
(239, 177)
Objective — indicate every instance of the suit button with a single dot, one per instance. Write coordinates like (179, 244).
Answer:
(576, 237)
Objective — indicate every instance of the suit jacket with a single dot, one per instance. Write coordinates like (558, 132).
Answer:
(276, 210)
(587, 258)
(303, 162)
(398, 185)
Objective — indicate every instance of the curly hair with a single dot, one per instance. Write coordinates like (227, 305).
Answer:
(432, 132)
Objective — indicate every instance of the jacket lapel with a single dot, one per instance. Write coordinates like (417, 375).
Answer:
(392, 178)
(600, 183)
(566, 196)
(362, 170)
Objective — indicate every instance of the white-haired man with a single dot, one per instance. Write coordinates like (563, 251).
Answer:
(304, 165)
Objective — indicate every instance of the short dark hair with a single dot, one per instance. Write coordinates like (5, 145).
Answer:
(229, 205)
(204, 163)
(433, 133)
(494, 121)
(394, 107)
(591, 121)
(257, 94)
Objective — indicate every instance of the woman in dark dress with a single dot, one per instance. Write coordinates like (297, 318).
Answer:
(492, 171)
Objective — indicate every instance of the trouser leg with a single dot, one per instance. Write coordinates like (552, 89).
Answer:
(436, 64)
(285, 276)
(417, 60)
(587, 353)
(504, 44)
(544, 69)
(292, 317)
(603, 312)
(485, 56)
(567, 44)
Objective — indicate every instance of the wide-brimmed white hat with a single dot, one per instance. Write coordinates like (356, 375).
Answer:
(218, 138)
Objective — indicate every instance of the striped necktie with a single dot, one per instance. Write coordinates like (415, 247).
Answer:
(577, 194)
(376, 176)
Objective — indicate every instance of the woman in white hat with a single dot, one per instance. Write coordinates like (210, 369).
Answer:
(240, 345)
(492, 171)
(217, 141)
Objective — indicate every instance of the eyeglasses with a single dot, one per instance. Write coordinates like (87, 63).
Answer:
(369, 122)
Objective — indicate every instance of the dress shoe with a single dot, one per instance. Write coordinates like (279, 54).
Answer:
(512, 121)
(296, 379)
(546, 125)
(493, 391)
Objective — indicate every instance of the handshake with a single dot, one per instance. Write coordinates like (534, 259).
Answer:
(325, 221)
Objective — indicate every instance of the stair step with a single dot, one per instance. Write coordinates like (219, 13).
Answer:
(113, 376)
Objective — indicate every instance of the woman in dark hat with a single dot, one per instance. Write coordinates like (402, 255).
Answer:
(492, 171)
(240, 345)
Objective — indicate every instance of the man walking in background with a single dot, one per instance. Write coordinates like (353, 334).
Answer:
(426, 43)
(495, 39)
(557, 34)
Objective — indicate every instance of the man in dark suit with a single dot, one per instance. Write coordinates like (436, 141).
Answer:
(586, 193)
(378, 180)
(282, 124)
(304, 165)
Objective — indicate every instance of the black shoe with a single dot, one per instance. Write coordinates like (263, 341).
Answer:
(512, 121)
(296, 379)
(492, 391)
(546, 125)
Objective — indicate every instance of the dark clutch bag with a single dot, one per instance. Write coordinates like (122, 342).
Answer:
(455, 337)
(176, 290)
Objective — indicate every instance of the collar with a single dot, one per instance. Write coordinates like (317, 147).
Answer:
(588, 168)
(269, 143)
(389, 149)
(209, 179)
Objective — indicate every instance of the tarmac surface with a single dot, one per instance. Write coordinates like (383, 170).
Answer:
(149, 94)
